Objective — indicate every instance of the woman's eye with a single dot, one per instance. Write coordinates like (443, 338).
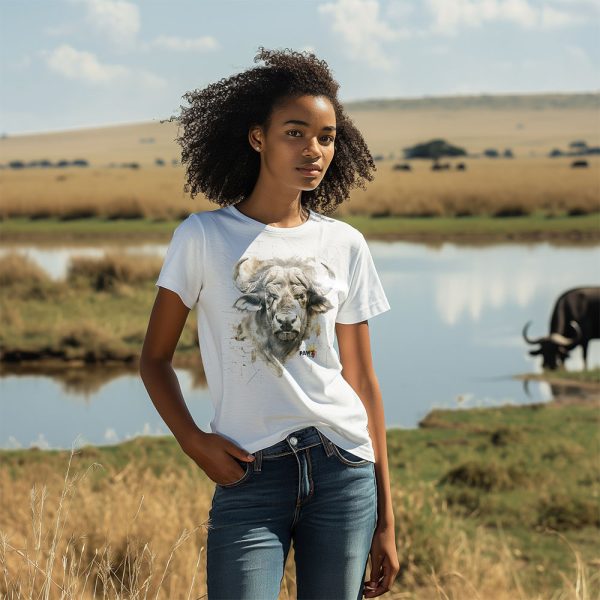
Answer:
(326, 137)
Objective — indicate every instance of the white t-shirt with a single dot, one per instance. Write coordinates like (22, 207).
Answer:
(267, 302)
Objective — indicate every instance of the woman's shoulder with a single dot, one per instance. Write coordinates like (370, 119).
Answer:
(343, 231)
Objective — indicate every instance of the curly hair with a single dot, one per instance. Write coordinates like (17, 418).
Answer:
(219, 160)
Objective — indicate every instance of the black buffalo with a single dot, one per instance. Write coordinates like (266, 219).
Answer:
(575, 321)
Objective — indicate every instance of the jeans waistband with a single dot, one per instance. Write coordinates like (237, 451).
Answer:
(296, 441)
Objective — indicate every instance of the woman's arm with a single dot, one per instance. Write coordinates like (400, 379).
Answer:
(212, 452)
(166, 323)
(358, 371)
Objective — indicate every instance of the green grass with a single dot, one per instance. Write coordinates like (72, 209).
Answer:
(506, 227)
(526, 469)
(75, 322)
(478, 225)
(589, 376)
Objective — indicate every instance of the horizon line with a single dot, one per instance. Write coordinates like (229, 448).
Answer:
(347, 103)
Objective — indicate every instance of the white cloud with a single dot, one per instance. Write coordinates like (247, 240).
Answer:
(362, 30)
(80, 65)
(118, 19)
(170, 42)
(399, 9)
(552, 18)
(591, 8)
(449, 17)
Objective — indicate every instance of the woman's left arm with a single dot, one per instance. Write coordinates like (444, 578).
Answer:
(357, 369)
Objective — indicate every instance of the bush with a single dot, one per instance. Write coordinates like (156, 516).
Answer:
(489, 477)
(433, 149)
(562, 512)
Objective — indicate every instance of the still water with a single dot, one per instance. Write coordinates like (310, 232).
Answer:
(452, 340)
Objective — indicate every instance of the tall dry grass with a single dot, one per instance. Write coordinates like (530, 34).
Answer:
(139, 531)
(487, 187)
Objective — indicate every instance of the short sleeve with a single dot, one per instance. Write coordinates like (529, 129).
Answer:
(366, 297)
(182, 269)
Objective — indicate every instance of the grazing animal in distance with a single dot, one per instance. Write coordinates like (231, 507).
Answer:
(579, 164)
(574, 322)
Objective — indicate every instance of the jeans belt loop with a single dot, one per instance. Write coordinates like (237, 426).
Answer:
(327, 444)
(257, 460)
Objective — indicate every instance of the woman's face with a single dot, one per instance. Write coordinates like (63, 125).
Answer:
(298, 147)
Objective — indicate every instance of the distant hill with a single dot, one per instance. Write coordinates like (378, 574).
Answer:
(589, 100)
(528, 125)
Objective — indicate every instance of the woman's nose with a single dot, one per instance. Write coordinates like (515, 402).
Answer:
(313, 148)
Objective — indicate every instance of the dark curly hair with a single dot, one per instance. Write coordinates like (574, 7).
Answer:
(219, 160)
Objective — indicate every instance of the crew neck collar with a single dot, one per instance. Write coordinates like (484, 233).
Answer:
(270, 228)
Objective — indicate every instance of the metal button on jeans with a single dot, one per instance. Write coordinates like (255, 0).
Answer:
(293, 441)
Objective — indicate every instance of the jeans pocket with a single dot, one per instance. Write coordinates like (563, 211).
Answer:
(248, 469)
(347, 458)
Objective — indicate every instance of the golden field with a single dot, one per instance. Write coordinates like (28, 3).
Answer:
(527, 183)
(488, 187)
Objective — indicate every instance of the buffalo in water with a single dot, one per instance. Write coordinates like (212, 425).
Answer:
(575, 321)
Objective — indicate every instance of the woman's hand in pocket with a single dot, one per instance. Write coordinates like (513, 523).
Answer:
(215, 455)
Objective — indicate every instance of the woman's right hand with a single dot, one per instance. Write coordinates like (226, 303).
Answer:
(215, 455)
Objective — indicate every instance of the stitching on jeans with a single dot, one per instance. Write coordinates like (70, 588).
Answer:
(241, 480)
(267, 456)
(310, 479)
(363, 461)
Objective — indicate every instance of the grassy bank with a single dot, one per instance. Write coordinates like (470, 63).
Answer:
(476, 229)
(97, 315)
(495, 503)
(590, 378)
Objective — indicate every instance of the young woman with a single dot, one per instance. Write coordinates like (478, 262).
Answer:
(297, 447)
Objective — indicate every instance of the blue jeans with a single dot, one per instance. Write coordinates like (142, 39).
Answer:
(306, 489)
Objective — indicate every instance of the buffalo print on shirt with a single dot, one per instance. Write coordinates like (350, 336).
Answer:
(280, 301)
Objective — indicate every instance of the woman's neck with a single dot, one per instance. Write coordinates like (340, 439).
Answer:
(273, 214)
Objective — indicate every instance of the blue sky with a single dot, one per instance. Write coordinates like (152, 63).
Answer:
(75, 63)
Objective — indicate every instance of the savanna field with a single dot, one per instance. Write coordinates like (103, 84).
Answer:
(490, 503)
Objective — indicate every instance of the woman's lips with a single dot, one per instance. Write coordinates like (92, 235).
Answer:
(309, 172)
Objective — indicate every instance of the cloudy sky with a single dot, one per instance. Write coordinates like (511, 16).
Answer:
(76, 63)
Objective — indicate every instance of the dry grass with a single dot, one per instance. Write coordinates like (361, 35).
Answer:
(488, 187)
(529, 182)
(140, 532)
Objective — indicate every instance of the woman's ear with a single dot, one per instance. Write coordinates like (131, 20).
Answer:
(255, 138)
